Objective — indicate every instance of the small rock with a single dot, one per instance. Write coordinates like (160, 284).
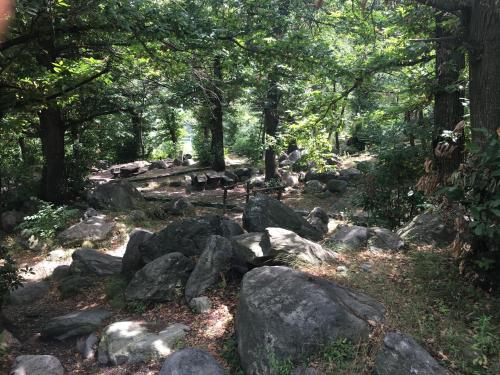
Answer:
(61, 272)
(336, 186)
(179, 206)
(131, 342)
(319, 219)
(90, 212)
(350, 237)
(76, 323)
(230, 228)
(28, 293)
(350, 173)
(8, 341)
(191, 361)
(400, 354)
(314, 187)
(96, 228)
(381, 239)
(87, 346)
(428, 228)
(116, 195)
(137, 215)
(342, 269)
(200, 305)
(367, 267)
(90, 261)
(10, 220)
(37, 365)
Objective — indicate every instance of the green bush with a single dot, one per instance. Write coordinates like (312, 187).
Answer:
(387, 190)
(10, 275)
(48, 220)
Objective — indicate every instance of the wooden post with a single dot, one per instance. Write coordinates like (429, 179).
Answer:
(224, 199)
(247, 188)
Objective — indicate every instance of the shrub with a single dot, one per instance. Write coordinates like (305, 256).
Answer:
(387, 189)
(49, 219)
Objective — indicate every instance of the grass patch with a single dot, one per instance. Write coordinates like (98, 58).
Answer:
(426, 297)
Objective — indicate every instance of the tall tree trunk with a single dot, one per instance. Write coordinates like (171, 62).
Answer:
(52, 129)
(271, 121)
(448, 109)
(138, 145)
(216, 124)
(24, 152)
(484, 66)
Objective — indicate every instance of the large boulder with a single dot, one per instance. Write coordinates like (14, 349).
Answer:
(350, 173)
(249, 249)
(401, 355)
(349, 237)
(382, 239)
(214, 261)
(262, 212)
(191, 361)
(319, 219)
(179, 207)
(115, 195)
(428, 228)
(323, 177)
(132, 259)
(285, 314)
(161, 280)
(230, 228)
(37, 365)
(187, 236)
(132, 342)
(287, 247)
(90, 261)
(95, 228)
(77, 323)
(29, 293)
(10, 220)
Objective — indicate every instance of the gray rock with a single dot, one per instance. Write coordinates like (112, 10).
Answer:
(90, 261)
(200, 305)
(8, 341)
(350, 237)
(115, 195)
(131, 342)
(319, 219)
(286, 314)
(249, 249)
(61, 272)
(29, 292)
(179, 207)
(401, 355)
(314, 187)
(287, 247)
(191, 361)
(37, 365)
(73, 284)
(90, 212)
(350, 173)
(336, 186)
(158, 164)
(366, 266)
(323, 177)
(214, 261)
(230, 228)
(137, 215)
(187, 236)
(428, 228)
(257, 182)
(291, 179)
(95, 228)
(58, 254)
(381, 239)
(262, 212)
(87, 346)
(73, 324)
(132, 259)
(161, 280)
(10, 220)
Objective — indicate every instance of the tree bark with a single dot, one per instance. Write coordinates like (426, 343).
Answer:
(216, 120)
(448, 109)
(271, 121)
(138, 145)
(52, 129)
(484, 66)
